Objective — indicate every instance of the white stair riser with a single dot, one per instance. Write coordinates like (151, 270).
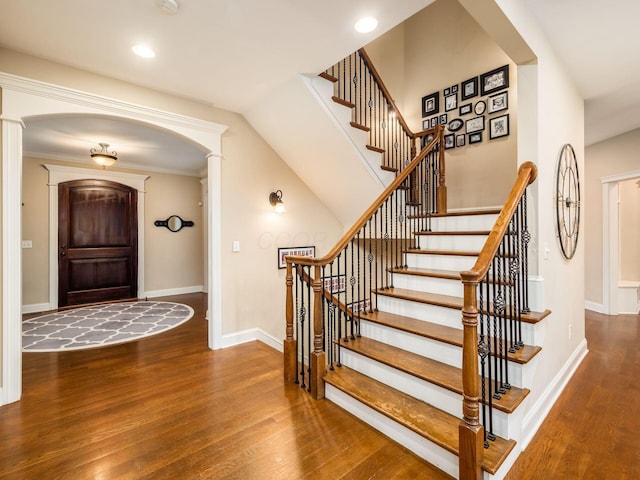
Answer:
(452, 242)
(434, 395)
(432, 453)
(442, 286)
(455, 263)
(463, 223)
(440, 351)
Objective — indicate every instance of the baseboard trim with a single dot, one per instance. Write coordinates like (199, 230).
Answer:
(542, 407)
(250, 335)
(37, 308)
(595, 307)
(173, 291)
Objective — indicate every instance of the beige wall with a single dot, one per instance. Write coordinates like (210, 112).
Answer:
(171, 260)
(253, 288)
(614, 156)
(440, 46)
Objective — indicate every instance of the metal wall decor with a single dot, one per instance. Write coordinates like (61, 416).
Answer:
(567, 201)
(174, 223)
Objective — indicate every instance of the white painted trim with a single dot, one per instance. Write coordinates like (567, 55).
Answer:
(542, 407)
(11, 261)
(60, 174)
(214, 250)
(620, 177)
(37, 308)
(172, 291)
(595, 307)
(23, 98)
(232, 339)
(536, 293)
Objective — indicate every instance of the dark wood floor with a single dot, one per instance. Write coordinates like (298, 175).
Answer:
(167, 407)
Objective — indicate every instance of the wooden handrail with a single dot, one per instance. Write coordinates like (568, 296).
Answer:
(471, 432)
(364, 218)
(387, 94)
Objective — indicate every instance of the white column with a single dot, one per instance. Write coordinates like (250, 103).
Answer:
(214, 250)
(11, 390)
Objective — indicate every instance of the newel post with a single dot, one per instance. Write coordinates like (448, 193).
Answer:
(471, 433)
(441, 189)
(290, 346)
(318, 360)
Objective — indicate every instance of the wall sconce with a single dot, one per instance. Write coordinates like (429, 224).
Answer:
(103, 156)
(275, 199)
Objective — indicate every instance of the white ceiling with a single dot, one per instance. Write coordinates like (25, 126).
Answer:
(230, 53)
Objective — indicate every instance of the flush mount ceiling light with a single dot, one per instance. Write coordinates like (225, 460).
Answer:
(103, 156)
(143, 51)
(170, 7)
(366, 25)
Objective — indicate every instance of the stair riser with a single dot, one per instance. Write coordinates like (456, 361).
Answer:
(441, 262)
(463, 223)
(434, 395)
(421, 283)
(421, 311)
(452, 242)
(440, 351)
(432, 453)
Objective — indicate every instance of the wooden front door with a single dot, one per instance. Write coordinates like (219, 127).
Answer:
(97, 242)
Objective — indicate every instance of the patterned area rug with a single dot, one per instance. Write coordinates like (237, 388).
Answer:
(101, 325)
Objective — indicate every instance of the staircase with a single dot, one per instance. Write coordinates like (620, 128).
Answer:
(403, 374)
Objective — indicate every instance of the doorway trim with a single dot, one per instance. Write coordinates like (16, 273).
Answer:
(611, 239)
(59, 174)
(23, 98)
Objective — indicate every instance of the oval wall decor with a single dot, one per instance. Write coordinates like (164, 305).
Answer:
(455, 125)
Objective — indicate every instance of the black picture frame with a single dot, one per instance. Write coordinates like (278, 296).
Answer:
(469, 89)
(466, 109)
(460, 140)
(475, 124)
(430, 104)
(426, 124)
(498, 102)
(475, 137)
(447, 91)
(455, 124)
(494, 80)
(297, 251)
(449, 141)
(499, 126)
(434, 122)
(443, 118)
(450, 102)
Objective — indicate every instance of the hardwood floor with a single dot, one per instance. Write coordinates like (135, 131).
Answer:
(592, 432)
(167, 407)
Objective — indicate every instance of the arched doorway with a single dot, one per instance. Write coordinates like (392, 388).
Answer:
(23, 98)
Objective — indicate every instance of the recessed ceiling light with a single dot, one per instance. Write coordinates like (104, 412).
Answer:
(366, 25)
(143, 51)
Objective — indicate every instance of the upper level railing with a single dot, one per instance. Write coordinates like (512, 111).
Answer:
(358, 85)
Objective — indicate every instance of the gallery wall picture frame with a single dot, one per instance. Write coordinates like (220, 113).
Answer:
(498, 102)
(499, 126)
(443, 119)
(475, 124)
(449, 141)
(475, 137)
(469, 88)
(494, 80)
(460, 140)
(480, 107)
(430, 104)
(434, 122)
(455, 125)
(426, 140)
(297, 251)
(466, 109)
(426, 124)
(450, 102)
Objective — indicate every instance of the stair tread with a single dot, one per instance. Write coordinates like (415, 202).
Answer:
(440, 333)
(447, 301)
(420, 417)
(328, 76)
(427, 272)
(455, 232)
(343, 102)
(359, 126)
(461, 253)
(461, 213)
(432, 371)
(373, 148)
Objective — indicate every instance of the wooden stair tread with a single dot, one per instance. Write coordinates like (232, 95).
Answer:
(389, 169)
(329, 77)
(454, 232)
(460, 213)
(447, 301)
(460, 253)
(427, 272)
(431, 423)
(440, 333)
(360, 127)
(343, 102)
(375, 149)
(427, 369)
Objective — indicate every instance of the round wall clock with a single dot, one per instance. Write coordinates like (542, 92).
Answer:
(567, 201)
